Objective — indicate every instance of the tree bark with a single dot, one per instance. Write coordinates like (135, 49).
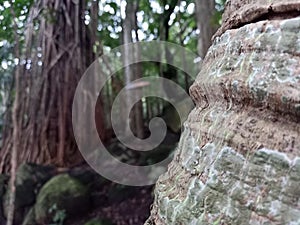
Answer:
(66, 46)
(205, 10)
(132, 72)
(242, 140)
(16, 130)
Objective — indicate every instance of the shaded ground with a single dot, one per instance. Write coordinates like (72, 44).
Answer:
(130, 207)
(118, 204)
(126, 205)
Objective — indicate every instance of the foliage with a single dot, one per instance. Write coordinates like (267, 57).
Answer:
(21, 9)
(220, 9)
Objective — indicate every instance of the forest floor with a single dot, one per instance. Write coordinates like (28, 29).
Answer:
(127, 205)
(107, 203)
(133, 209)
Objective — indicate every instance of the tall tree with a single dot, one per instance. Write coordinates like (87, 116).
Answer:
(59, 47)
(134, 71)
(167, 71)
(205, 12)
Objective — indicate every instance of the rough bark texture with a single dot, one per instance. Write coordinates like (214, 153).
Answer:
(238, 160)
(240, 12)
(59, 47)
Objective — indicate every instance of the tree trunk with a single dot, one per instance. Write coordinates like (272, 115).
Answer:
(134, 71)
(139, 120)
(238, 158)
(16, 131)
(66, 47)
(205, 10)
(166, 70)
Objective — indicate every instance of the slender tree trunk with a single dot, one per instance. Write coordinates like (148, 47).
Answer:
(139, 121)
(205, 10)
(132, 72)
(16, 130)
(127, 58)
(167, 71)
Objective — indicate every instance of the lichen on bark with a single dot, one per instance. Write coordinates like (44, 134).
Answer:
(238, 158)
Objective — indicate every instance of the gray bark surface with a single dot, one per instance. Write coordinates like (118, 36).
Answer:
(238, 160)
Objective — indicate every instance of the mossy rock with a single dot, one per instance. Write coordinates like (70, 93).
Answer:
(66, 194)
(97, 221)
(29, 179)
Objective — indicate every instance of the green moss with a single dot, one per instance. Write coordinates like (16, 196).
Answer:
(62, 183)
(63, 191)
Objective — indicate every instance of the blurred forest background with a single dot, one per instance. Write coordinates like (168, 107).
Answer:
(46, 46)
